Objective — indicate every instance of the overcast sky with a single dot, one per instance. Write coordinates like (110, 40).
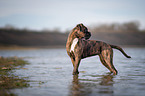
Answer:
(65, 14)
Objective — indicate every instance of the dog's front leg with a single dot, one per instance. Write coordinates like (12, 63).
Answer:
(76, 65)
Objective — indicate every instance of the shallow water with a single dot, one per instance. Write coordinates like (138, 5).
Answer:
(50, 73)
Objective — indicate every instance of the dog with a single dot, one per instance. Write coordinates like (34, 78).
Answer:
(79, 47)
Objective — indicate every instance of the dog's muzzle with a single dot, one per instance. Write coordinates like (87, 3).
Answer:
(88, 35)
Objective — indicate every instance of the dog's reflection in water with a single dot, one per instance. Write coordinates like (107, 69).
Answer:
(87, 87)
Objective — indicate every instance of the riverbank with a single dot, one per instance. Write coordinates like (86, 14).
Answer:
(7, 79)
(55, 47)
(27, 38)
(29, 47)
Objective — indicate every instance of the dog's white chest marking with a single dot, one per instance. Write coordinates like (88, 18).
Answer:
(75, 41)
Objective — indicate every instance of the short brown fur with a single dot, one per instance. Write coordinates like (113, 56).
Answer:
(87, 48)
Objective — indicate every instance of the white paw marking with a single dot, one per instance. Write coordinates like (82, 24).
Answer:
(75, 41)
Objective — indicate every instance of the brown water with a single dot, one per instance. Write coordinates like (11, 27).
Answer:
(50, 74)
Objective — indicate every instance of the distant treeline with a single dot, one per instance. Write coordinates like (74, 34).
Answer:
(121, 38)
(118, 34)
(132, 26)
(31, 38)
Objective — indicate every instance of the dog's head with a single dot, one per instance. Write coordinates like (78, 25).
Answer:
(80, 31)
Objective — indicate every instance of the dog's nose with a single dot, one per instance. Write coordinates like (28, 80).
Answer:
(89, 34)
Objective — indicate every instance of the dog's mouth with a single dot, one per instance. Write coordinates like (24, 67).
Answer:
(85, 38)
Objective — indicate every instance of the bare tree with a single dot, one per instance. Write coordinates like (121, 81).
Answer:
(132, 26)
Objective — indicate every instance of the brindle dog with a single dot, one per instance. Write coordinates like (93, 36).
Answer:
(78, 48)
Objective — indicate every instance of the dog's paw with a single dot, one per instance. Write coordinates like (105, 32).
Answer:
(75, 73)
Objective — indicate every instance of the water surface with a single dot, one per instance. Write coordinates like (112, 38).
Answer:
(50, 74)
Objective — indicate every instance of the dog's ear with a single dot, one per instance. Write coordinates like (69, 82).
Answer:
(76, 34)
(80, 26)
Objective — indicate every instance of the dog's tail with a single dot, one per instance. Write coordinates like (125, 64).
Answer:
(120, 49)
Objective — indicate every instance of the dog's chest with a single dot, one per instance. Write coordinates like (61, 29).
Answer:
(74, 43)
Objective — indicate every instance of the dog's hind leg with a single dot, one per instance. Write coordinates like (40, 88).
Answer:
(106, 58)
